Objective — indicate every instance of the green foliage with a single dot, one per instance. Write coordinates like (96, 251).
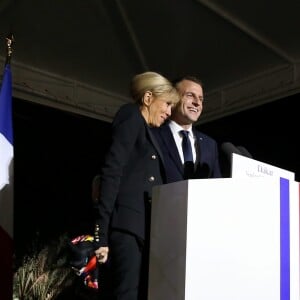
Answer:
(45, 274)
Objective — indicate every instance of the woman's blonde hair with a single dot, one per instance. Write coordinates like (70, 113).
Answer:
(152, 82)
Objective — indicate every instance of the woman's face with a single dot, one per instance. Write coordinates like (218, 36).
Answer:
(159, 110)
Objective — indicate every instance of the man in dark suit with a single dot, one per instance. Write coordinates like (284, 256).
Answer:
(204, 157)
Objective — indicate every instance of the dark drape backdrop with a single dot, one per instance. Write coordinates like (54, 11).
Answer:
(56, 156)
(58, 153)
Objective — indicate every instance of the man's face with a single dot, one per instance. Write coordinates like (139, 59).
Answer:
(190, 106)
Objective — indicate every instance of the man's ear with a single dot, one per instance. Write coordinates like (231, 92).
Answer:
(147, 98)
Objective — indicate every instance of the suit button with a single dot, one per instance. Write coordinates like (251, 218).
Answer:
(153, 156)
(151, 178)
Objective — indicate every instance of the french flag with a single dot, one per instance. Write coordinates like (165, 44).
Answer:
(6, 186)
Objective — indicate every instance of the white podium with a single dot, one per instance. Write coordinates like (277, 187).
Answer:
(225, 239)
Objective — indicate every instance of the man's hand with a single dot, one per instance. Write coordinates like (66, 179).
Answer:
(102, 254)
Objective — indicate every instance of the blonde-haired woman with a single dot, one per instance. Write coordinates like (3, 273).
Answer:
(133, 165)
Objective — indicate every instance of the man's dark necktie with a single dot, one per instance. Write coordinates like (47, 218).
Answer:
(187, 154)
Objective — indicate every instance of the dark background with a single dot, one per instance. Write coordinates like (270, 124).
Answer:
(58, 153)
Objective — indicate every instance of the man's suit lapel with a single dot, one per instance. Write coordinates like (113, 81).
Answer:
(168, 139)
(199, 145)
(202, 168)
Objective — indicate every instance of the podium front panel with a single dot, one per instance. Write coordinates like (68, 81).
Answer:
(225, 239)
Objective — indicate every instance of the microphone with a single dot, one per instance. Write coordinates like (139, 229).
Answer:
(228, 148)
(244, 151)
(226, 158)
